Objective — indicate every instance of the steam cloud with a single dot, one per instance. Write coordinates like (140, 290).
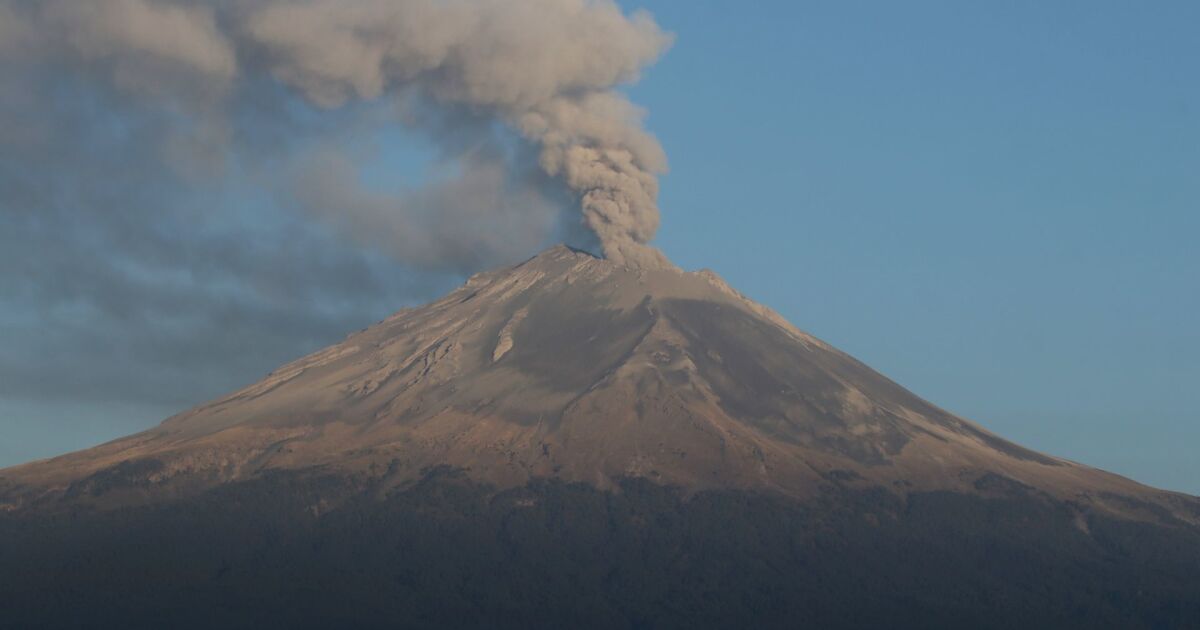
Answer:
(193, 192)
(545, 70)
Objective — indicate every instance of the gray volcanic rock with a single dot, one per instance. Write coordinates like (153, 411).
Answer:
(572, 367)
(570, 443)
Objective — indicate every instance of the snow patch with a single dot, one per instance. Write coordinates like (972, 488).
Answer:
(505, 341)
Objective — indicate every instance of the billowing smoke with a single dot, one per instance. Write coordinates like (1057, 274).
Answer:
(545, 72)
(193, 192)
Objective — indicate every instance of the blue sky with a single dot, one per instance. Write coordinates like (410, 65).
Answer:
(995, 204)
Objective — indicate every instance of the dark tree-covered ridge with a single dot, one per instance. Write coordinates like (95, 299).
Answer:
(294, 550)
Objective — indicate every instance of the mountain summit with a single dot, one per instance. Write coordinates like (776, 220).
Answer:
(570, 366)
(571, 442)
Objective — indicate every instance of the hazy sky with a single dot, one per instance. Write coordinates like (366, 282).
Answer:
(995, 204)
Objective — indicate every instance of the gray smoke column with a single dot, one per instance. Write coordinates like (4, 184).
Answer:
(548, 70)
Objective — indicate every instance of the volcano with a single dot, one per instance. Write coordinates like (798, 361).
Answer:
(571, 442)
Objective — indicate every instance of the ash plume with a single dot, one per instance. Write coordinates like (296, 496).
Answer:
(548, 71)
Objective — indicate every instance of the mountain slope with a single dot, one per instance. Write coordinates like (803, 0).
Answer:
(572, 443)
(573, 367)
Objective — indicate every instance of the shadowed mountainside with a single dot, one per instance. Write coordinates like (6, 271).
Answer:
(569, 442)
(301, 551)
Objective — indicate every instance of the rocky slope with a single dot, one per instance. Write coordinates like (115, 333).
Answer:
(572, 367)
(572, 443)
